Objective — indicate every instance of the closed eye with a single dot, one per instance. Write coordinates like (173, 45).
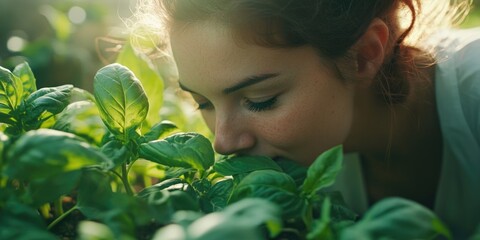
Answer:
(205, 106)
(255, 106)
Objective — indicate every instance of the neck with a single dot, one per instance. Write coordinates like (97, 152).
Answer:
(388, 131)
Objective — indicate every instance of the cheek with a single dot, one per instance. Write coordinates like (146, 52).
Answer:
(310, 126)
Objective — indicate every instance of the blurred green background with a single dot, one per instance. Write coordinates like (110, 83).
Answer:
(64, 41)
(473, 19)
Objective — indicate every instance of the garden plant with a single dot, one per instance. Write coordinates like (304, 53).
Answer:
(104, 165)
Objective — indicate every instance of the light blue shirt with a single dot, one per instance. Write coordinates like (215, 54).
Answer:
(457, 90)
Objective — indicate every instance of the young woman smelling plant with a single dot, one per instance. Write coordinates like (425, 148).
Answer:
(390, 80)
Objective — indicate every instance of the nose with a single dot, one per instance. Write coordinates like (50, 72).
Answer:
(232, 136)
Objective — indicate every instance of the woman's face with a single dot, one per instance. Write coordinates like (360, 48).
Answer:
(283, 103)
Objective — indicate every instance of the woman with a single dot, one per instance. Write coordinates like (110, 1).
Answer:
(291, 79)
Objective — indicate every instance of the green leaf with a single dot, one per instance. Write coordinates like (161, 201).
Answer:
(25, 74)
(180, 150)
(165, 184)
(220, 193)
(323, 171)
(45, 153)
(94, 192)
(116, 151)
(121, 100)
(151, 79)
(476, 235)
(183, 201)
(272, 185)
(339, 210)
(397, 218)
(4, 141)
(18, 221)
(296, 171)
(171, 232)
(11, 91)
(82, 119)
(52, 100)
(158, 130)
(119, 211)
(180, 196)
(89, 230)
(244, 164)
(7, 118)
(321, 227)
(159, 202)
(45, 190)
(240, 220)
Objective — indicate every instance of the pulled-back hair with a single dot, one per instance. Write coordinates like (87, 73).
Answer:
(330, 26)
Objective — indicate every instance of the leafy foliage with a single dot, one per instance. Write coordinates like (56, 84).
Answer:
(61, 154)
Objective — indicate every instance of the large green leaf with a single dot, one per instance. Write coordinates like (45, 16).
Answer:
(397, 218)
(52, 100)
(121, 100)
(18, 221)
(272, 185)
(45, 153)
(94, 193)
(180, 150)
(45, 190)
(323, 171)
(244, 164)
(25, 74)
(11, 91)
(239, 221)
(151, 80)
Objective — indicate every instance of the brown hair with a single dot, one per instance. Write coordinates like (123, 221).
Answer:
(330, 26)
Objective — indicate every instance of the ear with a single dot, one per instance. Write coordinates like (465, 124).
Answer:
(370, 50)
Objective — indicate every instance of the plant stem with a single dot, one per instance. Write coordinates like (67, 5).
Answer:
(58, 206)
(61, 217)
(125, 180)
(307, 215)
(116, 174)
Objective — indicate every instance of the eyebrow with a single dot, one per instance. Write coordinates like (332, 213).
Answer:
(242, 84)
(249, 81)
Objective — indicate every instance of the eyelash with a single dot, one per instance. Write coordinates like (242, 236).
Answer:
(204, 106)
(261, 106)
(251, 106)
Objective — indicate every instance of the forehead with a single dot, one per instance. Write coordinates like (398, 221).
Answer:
(207, 55)
(209, 46)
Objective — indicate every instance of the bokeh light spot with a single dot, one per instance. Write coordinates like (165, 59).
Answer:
(77, 15)
(15, 44)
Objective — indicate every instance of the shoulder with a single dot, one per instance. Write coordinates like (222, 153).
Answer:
(450, 41)
(457, 77)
